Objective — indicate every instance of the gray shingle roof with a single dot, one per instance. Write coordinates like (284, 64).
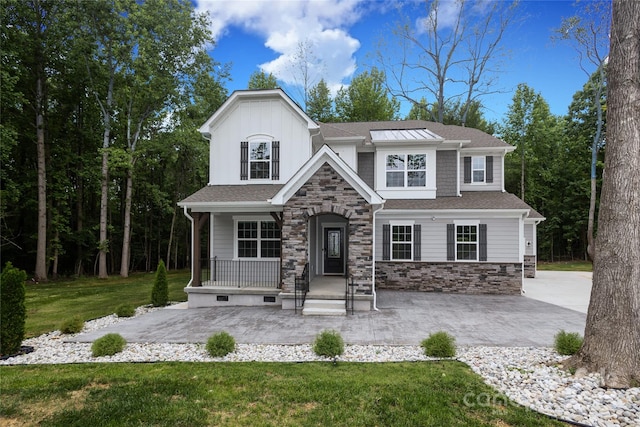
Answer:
(469, 200)
(234, 193)
(478, 138)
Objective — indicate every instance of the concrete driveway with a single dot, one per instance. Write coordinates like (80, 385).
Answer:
(403, 318)
(567, 289)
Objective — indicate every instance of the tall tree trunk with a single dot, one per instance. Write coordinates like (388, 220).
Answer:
(41, 248)
(612, 334)
(126, 235)
(173, 223)
(597, 137)
(103, 245)
(522, 170)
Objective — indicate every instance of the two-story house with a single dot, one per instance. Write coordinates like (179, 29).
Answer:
(294, 204)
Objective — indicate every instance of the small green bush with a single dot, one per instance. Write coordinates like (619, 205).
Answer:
(108, 345)
(160, 292)
(567, 343)
(13, 312)
(220, 344)
(72, 326)
(329, 343)
(439, 344)
(125, 310)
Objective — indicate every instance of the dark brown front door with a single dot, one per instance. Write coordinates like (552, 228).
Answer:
(333, 251)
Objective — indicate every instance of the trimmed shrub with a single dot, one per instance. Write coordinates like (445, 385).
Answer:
(567, 343)
(108, 345)
(329, 343)
(125, 310)
(160, 292)
(13, 312)
(220, 344)
(439, 344)
(72, 326)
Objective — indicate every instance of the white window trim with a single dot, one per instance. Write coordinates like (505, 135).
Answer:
(259, 220)
(249, 161)
(484, 170)
(477, 242)
(406, 170)
(403, 224)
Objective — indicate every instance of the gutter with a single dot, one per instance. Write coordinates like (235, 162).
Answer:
(192, 260)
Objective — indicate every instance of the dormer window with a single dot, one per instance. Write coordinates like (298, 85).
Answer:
(406, 170)
(477, 169)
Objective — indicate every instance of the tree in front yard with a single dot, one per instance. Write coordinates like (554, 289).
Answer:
(612, 334)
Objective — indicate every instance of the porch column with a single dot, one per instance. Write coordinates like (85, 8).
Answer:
(199, 220)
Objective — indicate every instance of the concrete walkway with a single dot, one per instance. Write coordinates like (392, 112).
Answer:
(403, 318)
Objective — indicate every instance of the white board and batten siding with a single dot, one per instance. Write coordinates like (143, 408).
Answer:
(270, 119)
(502, 236)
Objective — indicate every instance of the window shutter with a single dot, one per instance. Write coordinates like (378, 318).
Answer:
(489, 166)
(244, 160)
(275, 160)
(417, 242)
(483, 242)
(467, 170)
(386, 242)
(451, 242)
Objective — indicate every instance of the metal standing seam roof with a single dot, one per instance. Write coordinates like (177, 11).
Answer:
(403, 135)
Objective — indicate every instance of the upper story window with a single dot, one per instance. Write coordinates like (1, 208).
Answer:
(259, 160)
(406, 170)
(477, 169)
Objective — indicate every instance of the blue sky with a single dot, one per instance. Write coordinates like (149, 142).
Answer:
(255, 34)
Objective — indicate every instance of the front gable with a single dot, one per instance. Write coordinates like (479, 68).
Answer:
(257, 137)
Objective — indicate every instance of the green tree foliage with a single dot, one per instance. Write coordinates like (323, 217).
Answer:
(13, 311)
(160, 291)
(366, 99)
(320, 104)
(262, 80)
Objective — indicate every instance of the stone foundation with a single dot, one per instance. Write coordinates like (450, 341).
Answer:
(465, 278)
(529, 266)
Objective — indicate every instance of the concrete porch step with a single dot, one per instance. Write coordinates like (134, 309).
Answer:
(319, 307)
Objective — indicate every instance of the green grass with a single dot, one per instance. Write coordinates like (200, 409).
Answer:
(90, 298)
(565, 266)
(256, 394)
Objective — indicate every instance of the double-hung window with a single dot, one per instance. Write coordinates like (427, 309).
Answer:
(401, 242)
(478, 169)
(258, 239)
(467, 242)
(406, 170)
(260, 160)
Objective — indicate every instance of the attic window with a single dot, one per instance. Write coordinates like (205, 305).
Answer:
(260, 160)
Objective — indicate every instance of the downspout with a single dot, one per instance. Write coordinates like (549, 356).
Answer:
(373, 275)
(192, 266)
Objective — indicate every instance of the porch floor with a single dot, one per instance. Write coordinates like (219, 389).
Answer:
(328, 287)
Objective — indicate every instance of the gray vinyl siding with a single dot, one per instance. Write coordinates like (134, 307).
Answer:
(446, 173)
(502, 237)
(497, 175)
(366, 162)
(223, 236)
(529, 237)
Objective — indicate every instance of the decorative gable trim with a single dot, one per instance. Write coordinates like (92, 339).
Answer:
(325, 155)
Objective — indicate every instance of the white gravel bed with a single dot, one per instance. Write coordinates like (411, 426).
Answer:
(527, 376)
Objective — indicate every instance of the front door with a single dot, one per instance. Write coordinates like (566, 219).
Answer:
(333, 251)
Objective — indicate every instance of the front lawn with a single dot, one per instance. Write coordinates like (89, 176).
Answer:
(256, 394)
(48, 304)
(565, 266)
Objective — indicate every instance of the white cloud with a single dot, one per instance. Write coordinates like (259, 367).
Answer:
(447, 14)
(285, 24)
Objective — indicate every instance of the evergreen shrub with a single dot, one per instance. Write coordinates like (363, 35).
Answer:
(13, 312)
(220, 344)
(160, 292)
(567, 343)
(108, 345)
(439, 344)
(72, 326)
(125, 310)
(329, 343)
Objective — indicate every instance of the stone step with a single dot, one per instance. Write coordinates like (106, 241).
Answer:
(317, 307)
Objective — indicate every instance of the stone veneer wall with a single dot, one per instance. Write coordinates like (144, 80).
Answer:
(463, 277)
(326, 192)
(530, 266)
